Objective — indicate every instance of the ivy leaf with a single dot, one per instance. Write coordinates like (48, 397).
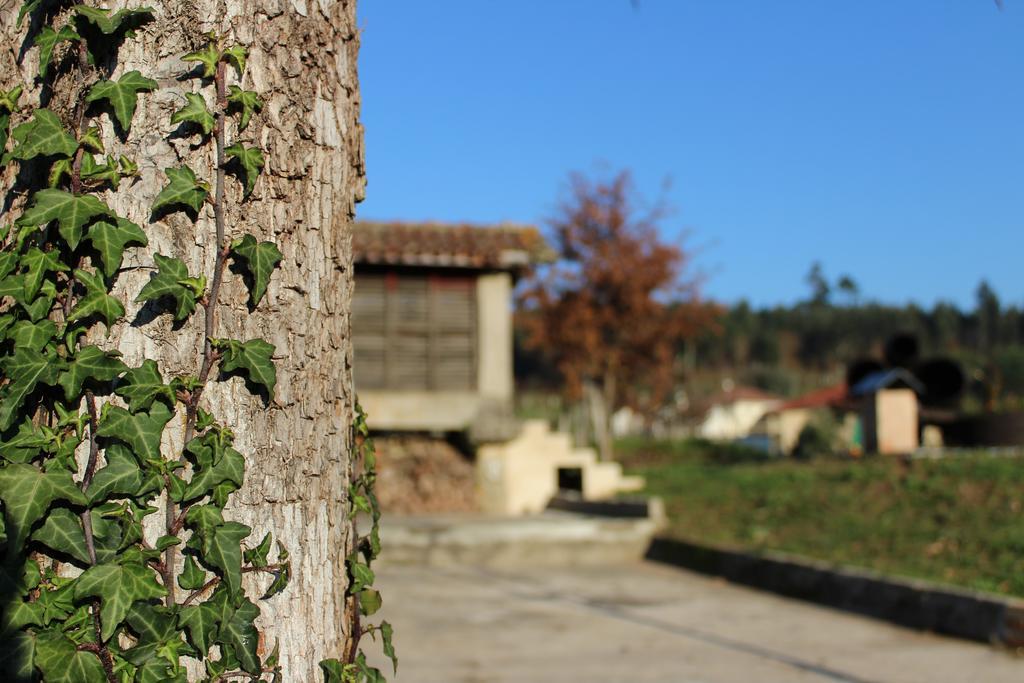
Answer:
(121, 475)
(42, 136)
(257, 556)
(236, 54)
(369, 601)
(40, 308)
(251, 159)
(27, 494)
(117, 586)
(69, 210)
(25, 369)
(37, 264)
(91, 139)
(109, 24)
(122, 94)
(261, 259)
(140, 431)
(222, 550)
(386, 633)
(96, 174)
(245, 100)
(96, 301)
(143, 385)
(192, 576)
(228, 465)
(60, 168)
(240, 633)
(184, 189)
(25, 445)
(201, 622)
(204, 518)
(110, 241)
(208, 56)
(90, 363)
(62, 532)
(62, 662)
(172, 281)
(195, 112)
(252, 357)
(32, 336)
(47, 40)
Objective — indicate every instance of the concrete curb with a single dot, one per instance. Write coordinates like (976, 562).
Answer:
(908, 602)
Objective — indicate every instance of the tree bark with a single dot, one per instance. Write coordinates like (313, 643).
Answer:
(302, 62)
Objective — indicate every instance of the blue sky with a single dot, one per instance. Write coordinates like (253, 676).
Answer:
(884, 138)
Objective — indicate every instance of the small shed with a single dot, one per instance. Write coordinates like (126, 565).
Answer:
(889, 411)
(432, 324)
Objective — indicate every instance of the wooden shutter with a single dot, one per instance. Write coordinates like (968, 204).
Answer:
(453, 339)
(369, 330)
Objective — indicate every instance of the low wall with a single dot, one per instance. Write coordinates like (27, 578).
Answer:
(908, 602)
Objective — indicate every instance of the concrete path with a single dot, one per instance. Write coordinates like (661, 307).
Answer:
(648, 623)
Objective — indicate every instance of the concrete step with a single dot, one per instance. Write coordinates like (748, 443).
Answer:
(552, 538)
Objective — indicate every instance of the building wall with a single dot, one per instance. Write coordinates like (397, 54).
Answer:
(485, 412)
(733, 420)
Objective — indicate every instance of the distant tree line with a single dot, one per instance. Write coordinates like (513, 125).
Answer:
(833, 328)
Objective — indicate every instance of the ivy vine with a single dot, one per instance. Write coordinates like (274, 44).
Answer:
(85, 595)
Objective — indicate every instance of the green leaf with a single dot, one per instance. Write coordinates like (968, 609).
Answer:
(117, 586)
(260, 259)
(201, 622)
(236, 54)
(240, 633)
(90, 363)
(42, 136)
(32, 336)
(369, 601)
(60, 168)
(70, 211)
(228, 465)
(109, 24)
(257, 557)
(334, 671)
(192, 576)
(92, 139)
(222, 550)
(252, 357)
(25, 445)
(27, 494)
(25, 370)
(172, 281)
(140, 431)
(47, 39)
(95, 174)
(204, 518)
(96, 301)
(9, 98)
(251, 159)
(247, 101)
(62, 532)
(122, 95)
(110, 241)
(208, 56)
(121, 475)
(143, 385)
(362, 575)
(61, 662)
(184, 189)
(195, 112)
(386, 633)
(37, 264)
(40, 308)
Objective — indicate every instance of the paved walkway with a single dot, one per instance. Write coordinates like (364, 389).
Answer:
(647, 623)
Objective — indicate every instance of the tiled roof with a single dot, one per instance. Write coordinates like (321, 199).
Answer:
(504, 246)
(821, 398)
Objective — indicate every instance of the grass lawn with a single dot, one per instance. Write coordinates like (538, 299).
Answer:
(958, 520)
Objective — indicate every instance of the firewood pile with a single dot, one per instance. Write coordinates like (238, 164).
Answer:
(420, 474)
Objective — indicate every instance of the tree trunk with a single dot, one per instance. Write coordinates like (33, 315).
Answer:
(600, 419)
(302, 62)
